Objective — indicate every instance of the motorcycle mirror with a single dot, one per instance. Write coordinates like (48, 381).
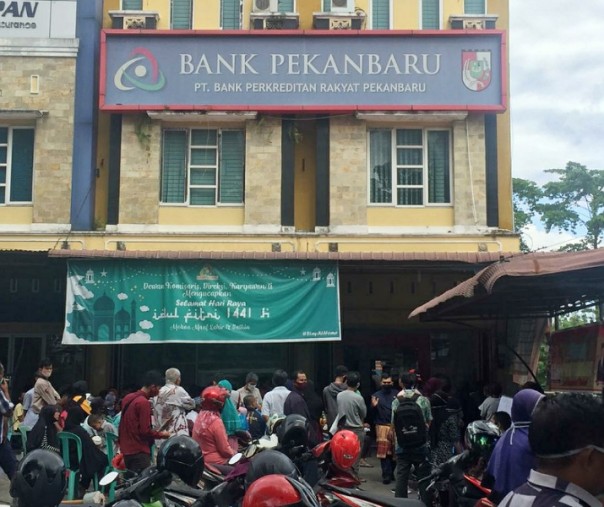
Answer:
(235, 459)
(108, 478)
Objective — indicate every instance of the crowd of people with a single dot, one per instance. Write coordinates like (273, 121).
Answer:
(415, 425)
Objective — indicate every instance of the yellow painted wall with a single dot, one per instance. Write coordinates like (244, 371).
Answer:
(206, 15)
(405, 15)
(169, 215)
(410, 217)
(16, 214)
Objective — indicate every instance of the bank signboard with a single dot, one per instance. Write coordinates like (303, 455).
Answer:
(315, 71)
(37, 19)
(141, 301)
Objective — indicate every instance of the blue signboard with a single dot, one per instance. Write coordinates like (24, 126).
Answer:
(242, 71)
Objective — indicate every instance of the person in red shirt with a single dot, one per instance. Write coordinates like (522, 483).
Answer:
(209, 431)
(136, 435)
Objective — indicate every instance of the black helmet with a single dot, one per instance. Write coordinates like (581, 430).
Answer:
(181, 455)
(481, 437)
(293, 431)
(40, 480)
(270, 462)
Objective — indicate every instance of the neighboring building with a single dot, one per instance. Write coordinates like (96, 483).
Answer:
(283, 133)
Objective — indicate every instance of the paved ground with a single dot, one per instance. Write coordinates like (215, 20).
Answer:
(373, 477)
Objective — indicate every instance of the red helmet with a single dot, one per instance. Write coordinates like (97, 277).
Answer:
(279, 491)
(345, 449)
(213, 398)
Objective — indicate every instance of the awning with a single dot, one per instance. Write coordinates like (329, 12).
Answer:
(523, 286)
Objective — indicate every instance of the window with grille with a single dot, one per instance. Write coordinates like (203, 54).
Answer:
(409, 167)
(230, 14)
(380, 14)
(181, 14)
(16, 164)
(430, 14)
(203, 167)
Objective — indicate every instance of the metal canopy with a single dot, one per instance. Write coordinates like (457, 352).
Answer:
(530, 285)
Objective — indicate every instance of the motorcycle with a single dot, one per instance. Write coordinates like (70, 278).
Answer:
(464, 489)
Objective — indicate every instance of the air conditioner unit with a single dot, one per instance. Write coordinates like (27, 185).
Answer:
(342, 6)
(266, 6)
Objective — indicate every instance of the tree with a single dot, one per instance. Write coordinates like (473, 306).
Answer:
(526, 195)
(575, 200)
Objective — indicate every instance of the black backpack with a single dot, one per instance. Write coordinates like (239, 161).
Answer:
(409, 424)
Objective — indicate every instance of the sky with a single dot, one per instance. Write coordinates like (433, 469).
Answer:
(556, 85)
(556, 92)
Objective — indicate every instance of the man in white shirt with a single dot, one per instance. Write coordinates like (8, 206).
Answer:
(275, 399)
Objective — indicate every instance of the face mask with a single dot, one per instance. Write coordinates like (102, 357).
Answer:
(386, 389)
(250, 387)
(570, 453)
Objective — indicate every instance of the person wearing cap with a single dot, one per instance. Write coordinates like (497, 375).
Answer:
(250, 387)
(94, 461)
(567, 437)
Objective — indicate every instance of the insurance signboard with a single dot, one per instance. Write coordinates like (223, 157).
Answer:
(139, 301)
(268, 71)
(40, 19)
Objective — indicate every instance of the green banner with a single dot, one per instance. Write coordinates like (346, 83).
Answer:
(142, 301)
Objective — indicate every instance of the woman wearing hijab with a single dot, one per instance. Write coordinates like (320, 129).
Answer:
(94, 461)
(44, 433)
(229, 415)
(512, 458)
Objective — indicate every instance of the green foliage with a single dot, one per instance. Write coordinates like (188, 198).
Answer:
(525, 198)
(575, 199)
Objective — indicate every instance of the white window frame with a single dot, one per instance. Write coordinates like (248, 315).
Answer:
(394, 167)
(217, 166)
(8, 164)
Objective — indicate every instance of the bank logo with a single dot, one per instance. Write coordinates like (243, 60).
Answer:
(141, 72)
(476, 69)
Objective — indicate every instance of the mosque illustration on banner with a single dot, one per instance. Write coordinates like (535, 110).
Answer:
(104, 323)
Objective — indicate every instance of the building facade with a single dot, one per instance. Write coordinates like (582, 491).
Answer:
(371, 133)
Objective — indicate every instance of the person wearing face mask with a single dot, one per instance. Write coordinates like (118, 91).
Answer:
(567, 436)
(250, 387)
(381, 404)
(295, 403)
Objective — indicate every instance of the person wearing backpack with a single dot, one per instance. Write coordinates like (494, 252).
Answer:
(411, 418)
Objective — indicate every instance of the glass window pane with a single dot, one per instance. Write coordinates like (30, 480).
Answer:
(3, 174)
(203, 137)
(174, 159)
(3, 135)
(203, 197)
(2, 191)
(439, 186)
(22, 165)
(410, 176)
(3, 154)
(409, 137)
(410, 196)
(232, 164)
(203, 176)
(203, 156)
(409, 156)
(380, 152)
(430, 14)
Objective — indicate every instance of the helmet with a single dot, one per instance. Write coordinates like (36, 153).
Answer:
(274, 421)
(481, 437)
(127, 503)
(279, 491)
(270, 462)
(40, 480)
(213, 398)
(293, 431)
(345, 449)
(181, 455)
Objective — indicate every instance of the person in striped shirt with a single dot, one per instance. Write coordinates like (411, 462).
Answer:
(567, 437)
